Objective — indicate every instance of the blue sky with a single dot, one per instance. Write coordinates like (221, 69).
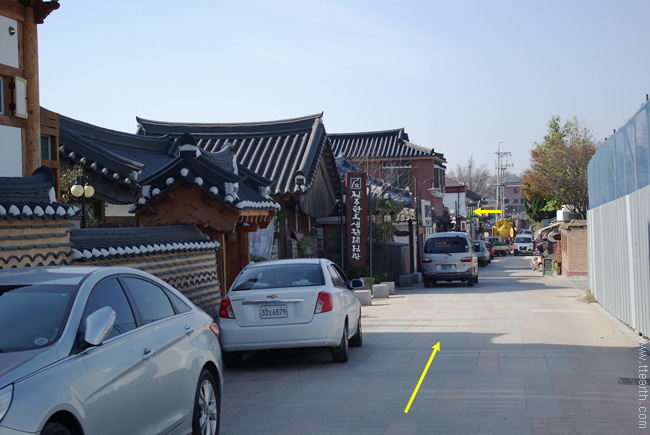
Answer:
(459, 76)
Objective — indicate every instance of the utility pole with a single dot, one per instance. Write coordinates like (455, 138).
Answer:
(501, 166)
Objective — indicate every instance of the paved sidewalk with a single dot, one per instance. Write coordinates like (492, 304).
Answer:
(520, 353)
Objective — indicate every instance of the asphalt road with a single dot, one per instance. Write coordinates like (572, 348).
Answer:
(520, 353)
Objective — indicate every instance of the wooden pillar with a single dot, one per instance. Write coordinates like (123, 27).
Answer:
(32, 132)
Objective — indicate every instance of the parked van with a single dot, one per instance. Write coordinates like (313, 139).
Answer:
(449, 257)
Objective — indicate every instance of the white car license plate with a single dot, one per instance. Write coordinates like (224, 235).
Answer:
(446, 266)
(273, 311)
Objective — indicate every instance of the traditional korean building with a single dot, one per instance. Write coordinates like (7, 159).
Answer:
(160, 181)
(390, 156)
(294, 154)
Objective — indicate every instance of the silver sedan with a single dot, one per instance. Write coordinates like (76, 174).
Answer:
(104, 351)
(290, 304)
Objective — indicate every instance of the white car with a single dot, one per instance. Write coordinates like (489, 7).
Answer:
(523, 245)
(289, 304)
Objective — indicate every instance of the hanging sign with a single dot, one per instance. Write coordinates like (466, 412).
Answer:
(356, 218)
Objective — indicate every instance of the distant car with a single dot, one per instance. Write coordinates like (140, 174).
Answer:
(491, 249)
(523, 245)
(449, 257)
(482, 253)
(104, 350)
(289, 304)
(526, 231)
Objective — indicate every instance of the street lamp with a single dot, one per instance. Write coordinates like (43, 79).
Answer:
(82, 190)
(417, 216)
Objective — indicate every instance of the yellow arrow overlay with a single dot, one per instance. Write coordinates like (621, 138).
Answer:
(436, 348)
(480, 211)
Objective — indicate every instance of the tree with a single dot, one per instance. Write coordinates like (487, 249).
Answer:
(475, 177)
(558, 165)
(536, 209)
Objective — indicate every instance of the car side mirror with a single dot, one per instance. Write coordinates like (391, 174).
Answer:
(356, 284)
(98, 325)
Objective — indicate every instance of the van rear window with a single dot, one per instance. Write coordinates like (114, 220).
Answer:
(446, 245)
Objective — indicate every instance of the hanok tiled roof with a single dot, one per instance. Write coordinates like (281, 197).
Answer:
(287, 152)
(152, 164)
(388, 144)
(122, 157)
(217, 174)
(92, 244)
(32, 197)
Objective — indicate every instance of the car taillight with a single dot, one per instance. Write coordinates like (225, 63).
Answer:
(324, 303)
(215, 329)
(225, 309)
(466, 259)
(427, 260)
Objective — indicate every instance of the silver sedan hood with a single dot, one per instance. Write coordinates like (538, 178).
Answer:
(17, 365)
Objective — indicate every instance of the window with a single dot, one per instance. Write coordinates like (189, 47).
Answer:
(336, 278)
(150, 300)
(278, 276)
(111, 294)
(33, 315)
(179, 305)
(2, 96)
(397, 174)
(446, 245)
(46, 149)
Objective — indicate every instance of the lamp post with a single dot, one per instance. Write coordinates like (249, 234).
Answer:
(417, 217)
(81, 189)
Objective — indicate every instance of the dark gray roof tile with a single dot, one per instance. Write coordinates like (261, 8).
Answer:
(283, 151)
(388, 144)
(104, 243)
(32, 198)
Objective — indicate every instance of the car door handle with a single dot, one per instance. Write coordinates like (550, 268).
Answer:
(188, 330)
(147, 353)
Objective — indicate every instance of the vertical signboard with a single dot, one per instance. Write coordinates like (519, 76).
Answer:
(356, 218)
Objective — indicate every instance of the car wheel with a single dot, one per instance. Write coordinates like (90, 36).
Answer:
(434, 283)
(55, 429)
(470, 281)
(357, 339)
(207, 406)
(231, 359)
(476, 279)
(341, 353)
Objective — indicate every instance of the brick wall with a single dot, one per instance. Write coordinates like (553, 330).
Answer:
(574, 249)
(423, 169)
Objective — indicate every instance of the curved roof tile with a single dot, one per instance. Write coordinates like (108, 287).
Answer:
(378, 145)
(286, 151)
(242, 189)
(104, 243)
(32, 198)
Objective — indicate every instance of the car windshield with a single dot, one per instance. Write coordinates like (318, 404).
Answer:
(446, 245)
(279, 275)
(33, 316)
(477, 246)
(523, 240)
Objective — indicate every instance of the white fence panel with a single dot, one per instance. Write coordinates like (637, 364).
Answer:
(619, 257)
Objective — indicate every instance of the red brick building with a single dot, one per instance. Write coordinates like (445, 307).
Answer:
(391, 157)
(574, 248)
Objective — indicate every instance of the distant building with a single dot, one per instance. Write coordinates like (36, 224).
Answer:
(513, 204)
